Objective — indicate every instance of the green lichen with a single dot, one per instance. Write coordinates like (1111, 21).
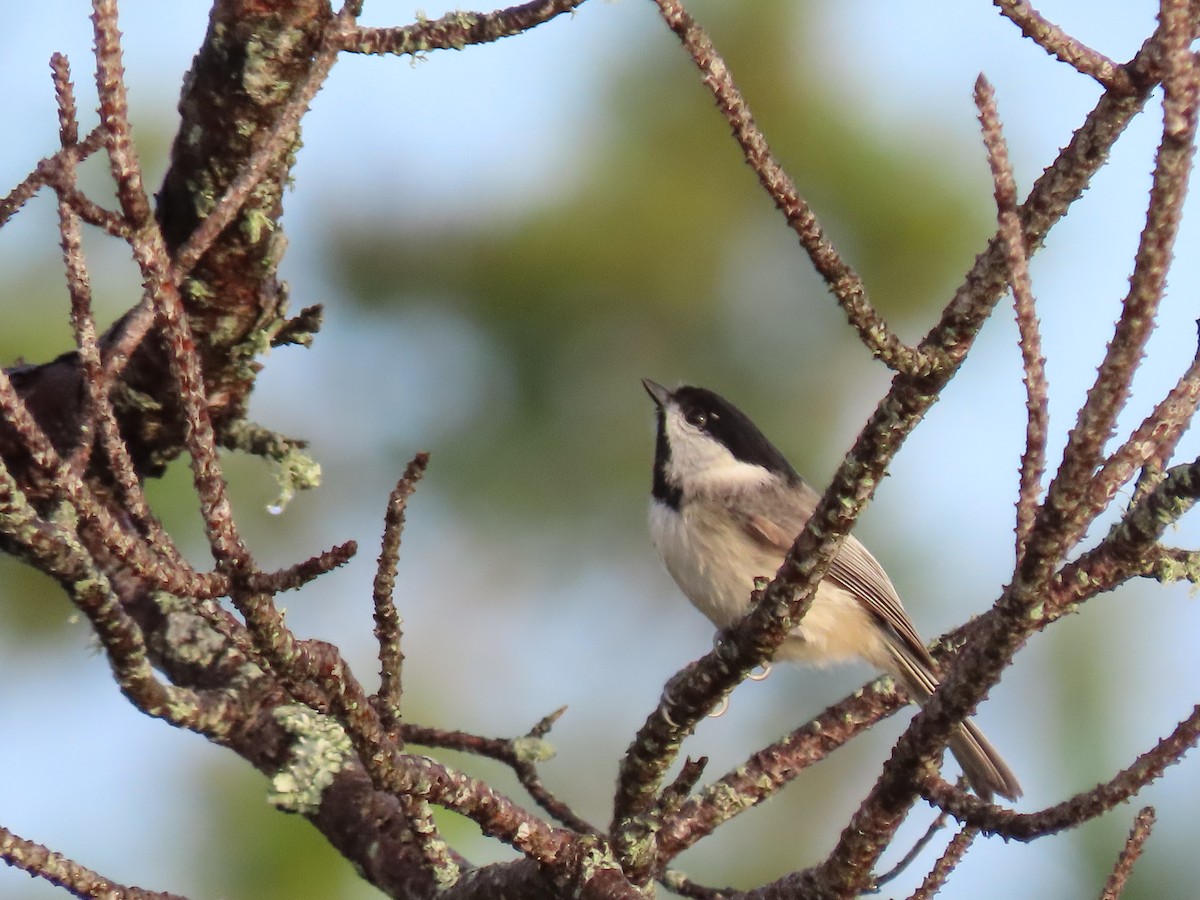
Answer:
(137, 400)
(195, 289)
(460, 24)
(1183, 568)
(730, 802)
(261, 74)
(533, 749)
(192, 640)
(596, 859)
(297, 471)
(320, 750)
(255, 223)
(66, 517)
(204, 195)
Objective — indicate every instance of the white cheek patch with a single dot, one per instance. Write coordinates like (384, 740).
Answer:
(698, 461)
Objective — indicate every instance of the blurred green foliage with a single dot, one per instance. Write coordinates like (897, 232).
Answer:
(262, 854)
(666, 259)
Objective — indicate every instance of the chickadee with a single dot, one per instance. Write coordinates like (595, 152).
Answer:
(725, 508)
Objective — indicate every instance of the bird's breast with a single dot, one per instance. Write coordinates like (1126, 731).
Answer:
(712, 560)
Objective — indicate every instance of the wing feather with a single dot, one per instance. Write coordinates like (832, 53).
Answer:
(854, 569)
(775, 528)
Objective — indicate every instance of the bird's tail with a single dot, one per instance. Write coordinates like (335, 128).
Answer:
(986, 771)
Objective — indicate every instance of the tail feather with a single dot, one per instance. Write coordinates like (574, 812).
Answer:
(986, 771)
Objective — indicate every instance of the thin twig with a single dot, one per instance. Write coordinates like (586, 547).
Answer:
(78, 282)
(679, 883)
(1033, 460)
(1054, 191)
(1001, 634)
(46, 171)
(946, 863)
(97, 412)
(514, 753)
(405, 775)
(297, 575)
(227, 547)
(1143, 824)
(454, 30)
(63, 872)
(766, 771)
(387, 619)
(1062, 46)
(1066, 514)
(98, 522)
(114, 115)
(59, 555)
(1083, 807)
(1153, 442)
(907, 859)
(530, 779)
(125, 336)
(752, 641)
(1130, 548)
(846, 284)
(1146, 520)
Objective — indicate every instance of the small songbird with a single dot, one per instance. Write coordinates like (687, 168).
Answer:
(726, 507)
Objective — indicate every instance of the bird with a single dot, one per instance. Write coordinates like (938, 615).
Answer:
(725, 508)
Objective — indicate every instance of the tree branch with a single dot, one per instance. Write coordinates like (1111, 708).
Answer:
(847, 286)
(1143, 824)
(55, 868)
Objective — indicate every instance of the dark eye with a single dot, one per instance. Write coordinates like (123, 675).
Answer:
(697, 418)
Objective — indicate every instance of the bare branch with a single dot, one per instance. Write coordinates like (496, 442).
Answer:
(1130, 548)
(387, 619)
(907, 860)
(78, 435)
(454, 30)
(299, 574)
(151, 255)
(685, 887)
(1033, 460)
(979, 665)
(97, 411)
(1082, 807)
(520, 754)
(751, 642)
(955, 851)
(1153, 442)
(761, 776)
(56, 552)
(847, 286)
(97, 519)
(1143, 824)
(1066, 514)
(48, 171)
(275, 142)
(1062, 46)
(114, 115)
(57, 869)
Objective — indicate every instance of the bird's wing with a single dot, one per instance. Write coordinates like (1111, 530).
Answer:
(854, 569)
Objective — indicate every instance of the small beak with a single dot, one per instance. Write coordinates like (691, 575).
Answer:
(659, 394)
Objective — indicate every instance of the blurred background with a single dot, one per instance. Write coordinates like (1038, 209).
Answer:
(505, 240)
